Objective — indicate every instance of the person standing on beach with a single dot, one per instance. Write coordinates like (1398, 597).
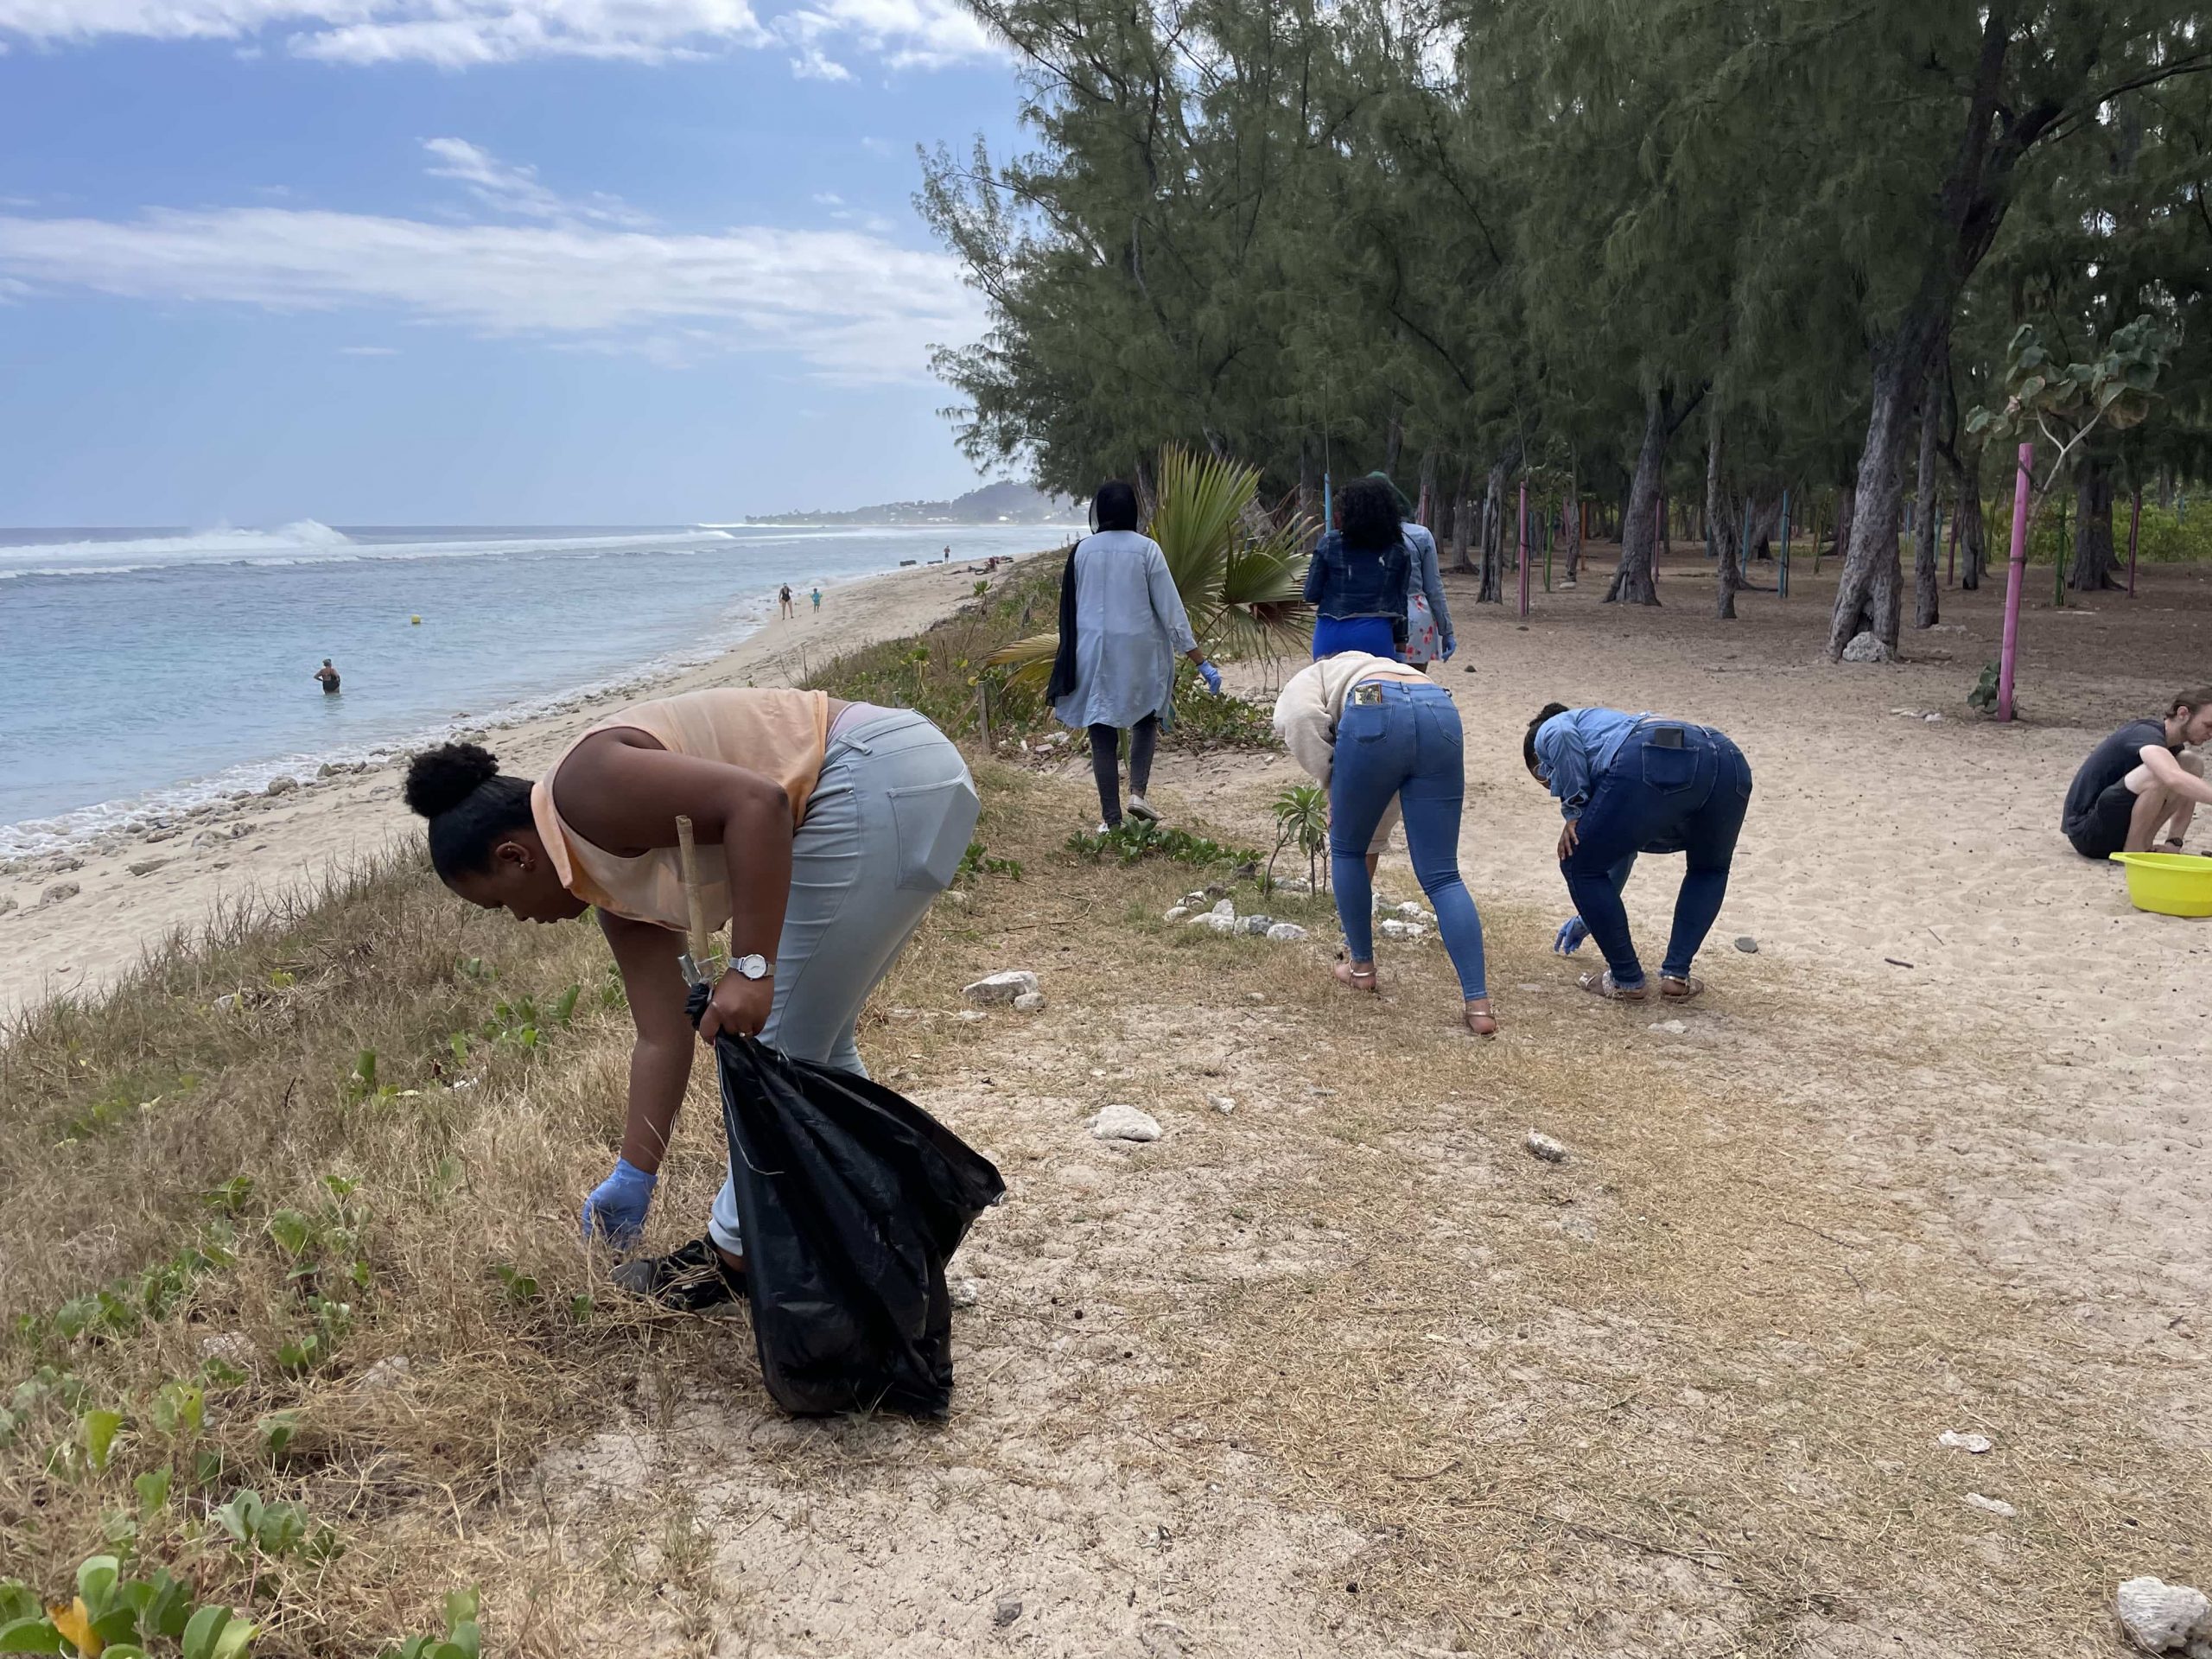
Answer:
(838, 824)
(1379, 736)
(787, 611)
(1428, 622)
(817, 601)
(1361, 574)
(1121, 626)
(1630, 784)
(328, 677)
(2138, 781)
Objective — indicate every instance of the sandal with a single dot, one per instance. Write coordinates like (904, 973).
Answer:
(1480, 1021)
(1601, 984)
(1354, 977)
(1679, 990)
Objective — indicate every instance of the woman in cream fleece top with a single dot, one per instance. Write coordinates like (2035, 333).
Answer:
(1383, 738)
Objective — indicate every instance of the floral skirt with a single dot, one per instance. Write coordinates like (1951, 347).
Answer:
(1424, 644)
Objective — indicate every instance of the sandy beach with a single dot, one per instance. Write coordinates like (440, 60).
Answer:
(70, 921)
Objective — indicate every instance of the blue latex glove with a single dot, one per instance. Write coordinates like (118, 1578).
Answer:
(1211, 676)
(617, 1206)
(1449, 646)
(1568, 940)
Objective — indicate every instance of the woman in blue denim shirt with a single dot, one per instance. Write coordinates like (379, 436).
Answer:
(1357, 580)
(1630, 784)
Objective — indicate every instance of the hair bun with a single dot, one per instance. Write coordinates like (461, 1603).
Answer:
(441, 778)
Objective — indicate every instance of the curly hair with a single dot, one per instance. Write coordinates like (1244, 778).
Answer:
(470, 803)
(1368, 511)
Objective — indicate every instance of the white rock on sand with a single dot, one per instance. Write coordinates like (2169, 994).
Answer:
(2160, 1618)
(1125, 1123)
(1000, 988)
(1286, 932)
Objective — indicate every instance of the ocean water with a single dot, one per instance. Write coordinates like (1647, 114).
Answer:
(145, 671)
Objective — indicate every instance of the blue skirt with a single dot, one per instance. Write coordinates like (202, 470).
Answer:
(1372, 634)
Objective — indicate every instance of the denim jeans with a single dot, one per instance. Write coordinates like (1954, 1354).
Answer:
(1106, 762)
(1673, 788)
(888, 822)
(1408, 745)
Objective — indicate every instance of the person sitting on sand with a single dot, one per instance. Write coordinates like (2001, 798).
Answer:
(1630, 784)
(2139, 782)
(1122, 625)
(837, 825)
(328, 675)
(1360, 575)
(1379, 736)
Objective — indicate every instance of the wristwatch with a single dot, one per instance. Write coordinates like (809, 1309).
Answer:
(755, 966)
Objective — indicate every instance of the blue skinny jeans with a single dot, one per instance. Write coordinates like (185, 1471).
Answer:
(1659, 798)
(1408, 745)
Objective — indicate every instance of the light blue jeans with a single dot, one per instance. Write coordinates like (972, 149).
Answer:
(887, 824)
(1403, 739)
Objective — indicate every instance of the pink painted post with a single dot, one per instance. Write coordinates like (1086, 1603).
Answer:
(1525, 547)
(2134, 531)
(2014, 575)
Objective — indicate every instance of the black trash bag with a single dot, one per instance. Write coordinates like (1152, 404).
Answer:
(851, 1200)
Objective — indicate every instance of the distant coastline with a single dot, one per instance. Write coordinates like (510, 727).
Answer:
(994, 506)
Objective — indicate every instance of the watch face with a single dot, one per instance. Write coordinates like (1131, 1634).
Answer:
(752, 967)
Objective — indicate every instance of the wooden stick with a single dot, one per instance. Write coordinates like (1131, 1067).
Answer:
(701, 943)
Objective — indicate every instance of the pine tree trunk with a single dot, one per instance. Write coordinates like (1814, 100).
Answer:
(2094, 558)
(1973, 549)
(1147, 497)
(1726, 577)
(1570, 528)
(1309, 483)
(1635, 582)
(1925, 599)
(1847, 498)
(1462, 517)
(1867, 594)
(1390, 447)
(1429, 502)
(1493, 587)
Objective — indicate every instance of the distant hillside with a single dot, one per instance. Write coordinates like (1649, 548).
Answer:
(995, 504)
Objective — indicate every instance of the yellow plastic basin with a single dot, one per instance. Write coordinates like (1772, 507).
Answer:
(2171, 884)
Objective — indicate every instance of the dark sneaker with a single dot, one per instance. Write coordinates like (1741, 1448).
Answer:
(693, 1278)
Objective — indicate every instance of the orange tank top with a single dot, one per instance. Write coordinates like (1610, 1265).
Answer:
(780, 734)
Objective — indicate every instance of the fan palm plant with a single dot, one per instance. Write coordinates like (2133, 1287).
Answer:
(1244, 590)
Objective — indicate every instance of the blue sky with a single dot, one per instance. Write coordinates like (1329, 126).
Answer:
(476, 261)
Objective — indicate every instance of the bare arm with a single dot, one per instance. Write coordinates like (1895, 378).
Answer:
(660, 1063)
(2169, 773)
(623, 795)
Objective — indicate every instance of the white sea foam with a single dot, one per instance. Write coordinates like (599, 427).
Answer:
(306, 542)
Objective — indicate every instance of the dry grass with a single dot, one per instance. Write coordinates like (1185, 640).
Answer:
(232, 1064)
(1678, 1395)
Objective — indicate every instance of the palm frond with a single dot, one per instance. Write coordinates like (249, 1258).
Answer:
(1029, 662)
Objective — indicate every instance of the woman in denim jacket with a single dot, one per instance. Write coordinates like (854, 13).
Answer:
(1361, 570)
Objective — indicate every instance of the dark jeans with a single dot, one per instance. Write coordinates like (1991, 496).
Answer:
(1105, 764)
(1408, 745)
(1672, 789)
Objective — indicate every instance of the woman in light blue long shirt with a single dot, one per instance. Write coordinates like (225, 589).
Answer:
(1121, 626)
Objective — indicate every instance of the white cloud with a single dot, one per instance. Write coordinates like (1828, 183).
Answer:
(515, 191)
(851, 305)
(813, 64)
(469, 33)
(368, 350)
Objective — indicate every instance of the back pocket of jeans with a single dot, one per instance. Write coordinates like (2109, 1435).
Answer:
(934, 822)
(1669, 771)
